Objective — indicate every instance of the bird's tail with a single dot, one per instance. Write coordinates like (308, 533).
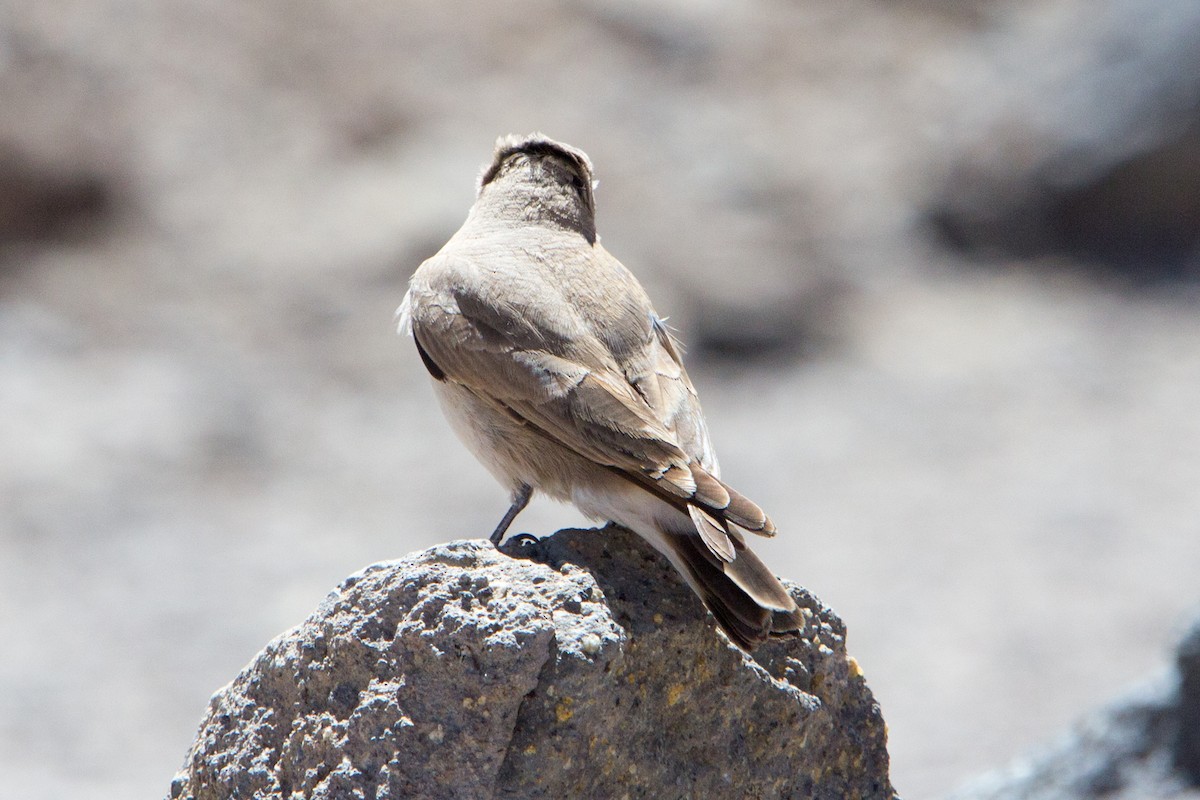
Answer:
(748, 601)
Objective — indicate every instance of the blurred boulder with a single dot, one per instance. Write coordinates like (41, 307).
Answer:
(1091, 151)
(462, 671)
(41, 202)
(1187, 745)
(64, 138)
(1146, 745)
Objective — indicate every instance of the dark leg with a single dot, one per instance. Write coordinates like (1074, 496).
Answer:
(520, 500)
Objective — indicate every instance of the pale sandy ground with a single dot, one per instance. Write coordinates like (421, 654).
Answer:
(207, 420)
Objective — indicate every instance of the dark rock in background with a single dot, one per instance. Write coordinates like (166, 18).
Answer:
(47, 204)
(1141, 747)
(1103, 168)
(577, 666)
(1187, 743)
(1136, 219)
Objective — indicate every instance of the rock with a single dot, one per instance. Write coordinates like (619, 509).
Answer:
(1145, 745)
(1187, 744)
(47, 203)
(1095, 155)
(462, 671)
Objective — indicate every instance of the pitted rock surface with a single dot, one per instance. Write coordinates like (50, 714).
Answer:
(578, 666)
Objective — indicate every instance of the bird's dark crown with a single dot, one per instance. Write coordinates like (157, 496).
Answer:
(537, 144)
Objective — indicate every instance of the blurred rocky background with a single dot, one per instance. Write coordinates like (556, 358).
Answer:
(937, 264)
(1144, 745)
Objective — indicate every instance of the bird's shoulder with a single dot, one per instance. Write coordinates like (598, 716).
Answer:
(500, 303)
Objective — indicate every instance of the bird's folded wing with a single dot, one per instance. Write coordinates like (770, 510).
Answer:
(582, 406)
(673, 398)
(551, 372)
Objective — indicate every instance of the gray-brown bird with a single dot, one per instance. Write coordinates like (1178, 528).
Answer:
(553, 367)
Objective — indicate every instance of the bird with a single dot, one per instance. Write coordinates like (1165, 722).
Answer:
(552, 366)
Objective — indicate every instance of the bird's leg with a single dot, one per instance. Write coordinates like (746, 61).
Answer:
(520, 500)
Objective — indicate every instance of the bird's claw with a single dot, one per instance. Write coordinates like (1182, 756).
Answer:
(522, 539)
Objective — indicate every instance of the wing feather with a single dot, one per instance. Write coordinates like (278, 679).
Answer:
(637, 413)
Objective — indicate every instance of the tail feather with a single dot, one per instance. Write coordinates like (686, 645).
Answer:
(743, 512)
(748, 602)
(728, 504)
(714, 534)
(752, 577)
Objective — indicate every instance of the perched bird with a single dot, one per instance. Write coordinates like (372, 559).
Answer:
(554, 369)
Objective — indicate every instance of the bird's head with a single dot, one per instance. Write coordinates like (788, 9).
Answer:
(544, 181)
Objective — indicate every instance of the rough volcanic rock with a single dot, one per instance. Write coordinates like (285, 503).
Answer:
(462, 671)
